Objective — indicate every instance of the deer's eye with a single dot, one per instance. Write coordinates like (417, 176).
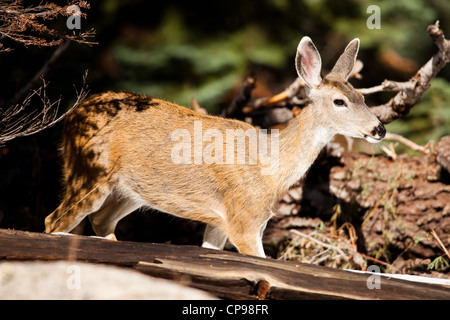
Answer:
(339, 103)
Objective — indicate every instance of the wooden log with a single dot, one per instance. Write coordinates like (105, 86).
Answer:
(224, 274)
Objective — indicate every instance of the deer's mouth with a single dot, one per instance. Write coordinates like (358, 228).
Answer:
(376, 135)
(373, 139)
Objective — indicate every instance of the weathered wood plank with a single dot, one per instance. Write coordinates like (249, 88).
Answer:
(225, 274)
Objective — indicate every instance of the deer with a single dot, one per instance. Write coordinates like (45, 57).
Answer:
(117, 149)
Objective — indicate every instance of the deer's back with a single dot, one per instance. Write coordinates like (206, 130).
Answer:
(127, 138)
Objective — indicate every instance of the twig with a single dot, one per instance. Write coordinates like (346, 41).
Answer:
(351, 233)
(355, 73)
(390, 151)
(290, 95)
(410, 144)
(14, 123)
(324, 257)
(196, 106)
(381, 262)
(375, 207)
(433, 233)
(25, 25)
(242, 99)
(325, 245)
(386, 86)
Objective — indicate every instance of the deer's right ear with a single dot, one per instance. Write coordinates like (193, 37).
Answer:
(308, 62)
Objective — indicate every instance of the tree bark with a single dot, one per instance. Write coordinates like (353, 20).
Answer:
(224, 274)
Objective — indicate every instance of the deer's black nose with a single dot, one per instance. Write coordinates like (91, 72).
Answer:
(379, 131)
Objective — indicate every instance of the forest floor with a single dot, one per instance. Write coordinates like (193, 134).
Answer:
(362, 210)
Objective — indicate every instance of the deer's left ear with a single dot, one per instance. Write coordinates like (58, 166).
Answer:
(346, 61)
(308, 62)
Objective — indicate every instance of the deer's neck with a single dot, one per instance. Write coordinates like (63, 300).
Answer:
(300, 144)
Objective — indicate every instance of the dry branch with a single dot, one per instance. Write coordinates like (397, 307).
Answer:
(17, 121)
(386, 86)
(26, 25)
(410, 144)
(242, 99)
(323, 244)
(411, 91)
(433, 233)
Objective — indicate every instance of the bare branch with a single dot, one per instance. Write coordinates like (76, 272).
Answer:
(410, 144)
(325, 245)
(387, 86)
(25, 25)
(15, 123)
(411, 91)
(242, 99)
(440, 243)
(197, 107)
(390, 151)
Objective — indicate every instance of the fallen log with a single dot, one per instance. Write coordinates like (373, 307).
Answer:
(224, 274)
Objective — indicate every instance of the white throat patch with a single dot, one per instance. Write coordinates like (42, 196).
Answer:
(322, 136)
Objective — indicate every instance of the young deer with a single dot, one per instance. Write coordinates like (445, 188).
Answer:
(118, 150)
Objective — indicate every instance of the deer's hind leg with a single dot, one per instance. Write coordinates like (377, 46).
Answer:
(75, 207)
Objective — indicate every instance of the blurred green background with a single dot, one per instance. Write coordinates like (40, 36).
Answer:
(178, 50)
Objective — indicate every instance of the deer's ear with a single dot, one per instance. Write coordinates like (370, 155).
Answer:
(308, 62)
(346, 61)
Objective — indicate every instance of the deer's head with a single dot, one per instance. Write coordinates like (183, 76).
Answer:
(337, 106)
